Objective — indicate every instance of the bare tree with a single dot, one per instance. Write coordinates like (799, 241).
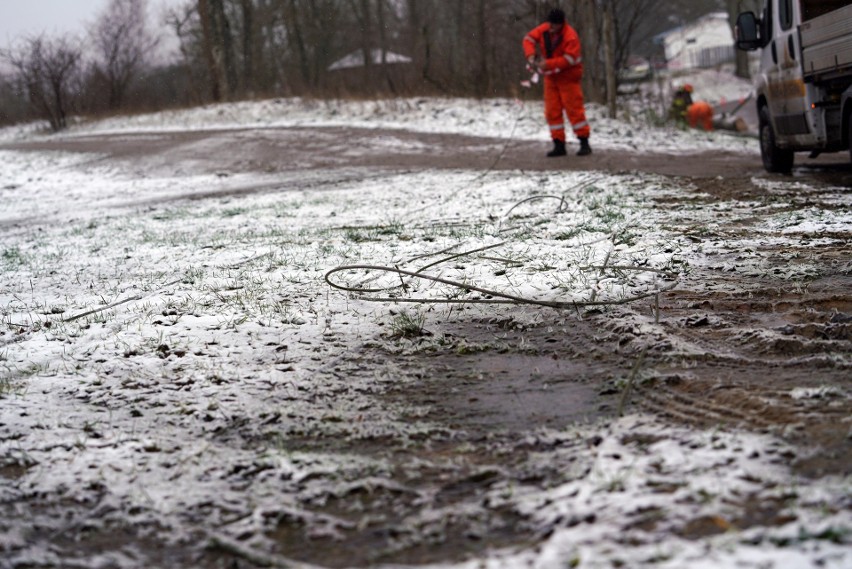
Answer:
(296, 37)
(183, 21)
(589, 25)
(247, 11)
(632, 22)
(610, 64)
(383, 25)
(420, 31)
(218, 48)
(363, 12)
(306, 35)
(482, 40)
(48, 71)
(122, 43)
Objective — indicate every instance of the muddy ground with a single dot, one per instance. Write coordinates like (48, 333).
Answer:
(494, 381)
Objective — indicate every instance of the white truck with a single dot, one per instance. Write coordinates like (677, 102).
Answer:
(804, 87)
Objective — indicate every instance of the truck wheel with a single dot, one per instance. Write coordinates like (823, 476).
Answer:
(778, 160)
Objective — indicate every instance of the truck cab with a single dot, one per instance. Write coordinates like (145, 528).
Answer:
(804, 85)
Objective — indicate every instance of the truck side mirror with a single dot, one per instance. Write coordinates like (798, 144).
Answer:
(747, 32)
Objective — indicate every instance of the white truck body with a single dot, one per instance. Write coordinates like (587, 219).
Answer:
(804, 87)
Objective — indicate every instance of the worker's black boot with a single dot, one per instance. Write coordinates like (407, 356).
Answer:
(585, 149)
(558, 149)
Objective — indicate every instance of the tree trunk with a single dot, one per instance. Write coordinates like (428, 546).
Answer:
(227, 39)
(593, 83)
(481, 39)
(365, 19)
(218, 48)
(208, 42)
(248, 45)
(457, 50)
(296, 35)
(383, 46)
(421, 45)
(609, 58)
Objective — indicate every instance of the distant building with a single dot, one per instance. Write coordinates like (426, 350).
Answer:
(388, 73)
(356, 59)
(706, 42)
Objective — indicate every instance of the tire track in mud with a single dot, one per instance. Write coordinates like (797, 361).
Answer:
(815, 419)
(664, 399)
(759, 336)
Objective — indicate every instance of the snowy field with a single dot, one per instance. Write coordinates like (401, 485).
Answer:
(137, 329)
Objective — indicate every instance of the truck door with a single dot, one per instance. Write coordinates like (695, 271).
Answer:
(785, 84)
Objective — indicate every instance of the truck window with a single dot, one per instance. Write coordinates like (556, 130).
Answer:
(813, 8)
(785, 14)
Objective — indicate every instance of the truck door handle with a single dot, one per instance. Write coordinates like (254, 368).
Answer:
(774, 53)
(791, 46)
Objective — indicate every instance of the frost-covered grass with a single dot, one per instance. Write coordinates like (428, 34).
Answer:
(136, 340)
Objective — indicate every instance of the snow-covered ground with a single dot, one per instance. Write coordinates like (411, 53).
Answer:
(517, 119)
(136, 329)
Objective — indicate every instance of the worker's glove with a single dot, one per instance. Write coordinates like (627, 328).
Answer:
(534, 68)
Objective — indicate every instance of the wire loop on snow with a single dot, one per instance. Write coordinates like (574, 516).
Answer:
(497, 297)
(491, 296)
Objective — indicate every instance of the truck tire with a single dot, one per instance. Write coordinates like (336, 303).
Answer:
(776, 160)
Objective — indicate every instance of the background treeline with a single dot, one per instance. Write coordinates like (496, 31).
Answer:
(237, 49)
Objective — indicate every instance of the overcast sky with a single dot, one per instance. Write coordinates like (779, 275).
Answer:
(31, 17)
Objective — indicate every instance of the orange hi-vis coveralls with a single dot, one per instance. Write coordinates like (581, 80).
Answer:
(700, 113)
(562, 70)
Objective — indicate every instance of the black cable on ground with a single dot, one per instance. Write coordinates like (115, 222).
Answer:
(502, 297)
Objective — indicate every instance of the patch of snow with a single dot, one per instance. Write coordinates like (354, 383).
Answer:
(816, 392)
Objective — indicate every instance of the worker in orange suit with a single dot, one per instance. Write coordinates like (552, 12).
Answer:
(553, 48)
(680, 104)
(700, 114)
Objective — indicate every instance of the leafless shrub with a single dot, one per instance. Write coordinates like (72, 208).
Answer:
(47, 70)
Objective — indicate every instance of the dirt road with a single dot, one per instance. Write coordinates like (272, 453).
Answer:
(766, 350)
(285, 149)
